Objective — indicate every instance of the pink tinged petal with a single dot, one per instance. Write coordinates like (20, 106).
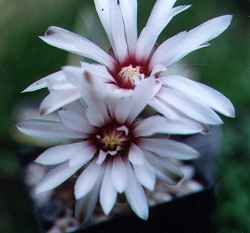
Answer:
(43, 83)
(120, 46)
(158, 124)
(189, 106)
(161, 15)
(77, 44)
(48, 131)
(74, 121)
(136, 155)
(169, 149)
(56, 177)
(57, 99)
(84, 153)
(129, 13)
(205, 94)
(164, 169)
(87, 204)
(101, 157)
(142, 95)
(119, 174)
(193, 40)
(145, 176)
(136, 196)
(108, 194)
(87, 180)
(59, 154)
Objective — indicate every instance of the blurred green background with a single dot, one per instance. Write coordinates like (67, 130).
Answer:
(225, 65)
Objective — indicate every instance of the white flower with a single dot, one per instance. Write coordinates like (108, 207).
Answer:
(116, 151)
(134, 59)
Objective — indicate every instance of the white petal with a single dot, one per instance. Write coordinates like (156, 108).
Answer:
(190, 41)
(119, 174)
(108, 194)
(164, 169)
(87, 204)
(145, 176)
(205, 94)
(136, 196)
(103, 8)
(158, 124)
(135, 155)
(122, 108)
(189, 106)
(59, 154)
(169, 149)
(85, 152)
(56, 177)
(87, 180)
(43, 83)
(161, 15)
(77, 44)
(48, 131)
(142, 95)
(120, 47)
(101, 157)
(74, 121)
(129, 13)
(57, 99)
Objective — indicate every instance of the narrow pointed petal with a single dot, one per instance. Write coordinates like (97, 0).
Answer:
(48, 131)
(145, 176)
(142, 95)
(59, 154)
(119, 175)
(108, 194)
(57, 99)
(205, 94)
(120, 46)
(76, 44)
(189, 106)
(87, 180)
(164, 169)
(76, 122)
(169, 149)
(56, 177)
(101, 157)
(161, 15)
(136, 155)
(190, 41)
(158, 124)
(129, 13)
(136, 196)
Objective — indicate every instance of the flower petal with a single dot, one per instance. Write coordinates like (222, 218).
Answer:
(57, 99)
(142, 95)
(59, 154)
(171, 51)
(135, 155)
(56, 177)
(205, 94)
(77, 44)
(101, 157)
(119, 174)
(87, 180)
(48, 131)
(189, 106)
(108, 194)
(161, 15)
(129, 13)
(145, 176)
(136, 196)
(158, 124)
(169, 148)
(120, 46)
